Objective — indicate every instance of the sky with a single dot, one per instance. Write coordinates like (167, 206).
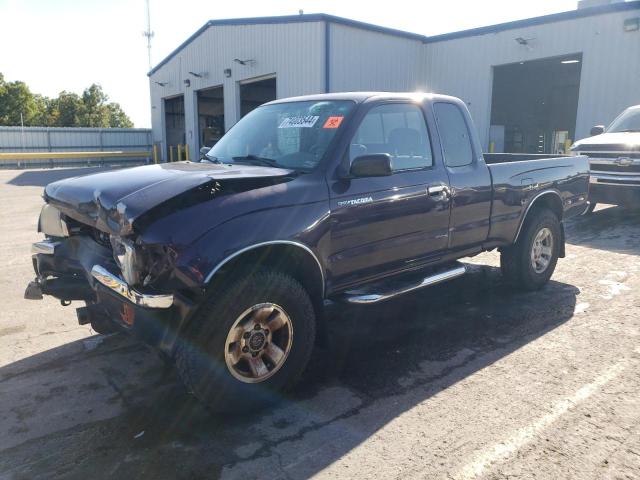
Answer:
(56, 45)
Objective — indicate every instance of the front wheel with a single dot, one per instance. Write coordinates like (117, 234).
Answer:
(530, 262)
(248, 343)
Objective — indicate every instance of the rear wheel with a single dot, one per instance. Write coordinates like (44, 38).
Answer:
(530, 262)
(249, 343)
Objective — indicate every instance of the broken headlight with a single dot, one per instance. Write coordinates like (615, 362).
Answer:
(52, 223)
(141, 264)
(124, 253)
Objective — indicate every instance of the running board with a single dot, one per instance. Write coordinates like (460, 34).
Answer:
(377, 293)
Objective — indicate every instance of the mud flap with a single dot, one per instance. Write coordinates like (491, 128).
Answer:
(562, 253)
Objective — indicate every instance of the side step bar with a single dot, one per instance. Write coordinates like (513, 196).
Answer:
(377, 293)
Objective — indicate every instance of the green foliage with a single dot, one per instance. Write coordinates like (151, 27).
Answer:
(91, 109)
(117, 116)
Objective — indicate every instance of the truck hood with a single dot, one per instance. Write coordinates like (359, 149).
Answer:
(112, 201)
(618, 142)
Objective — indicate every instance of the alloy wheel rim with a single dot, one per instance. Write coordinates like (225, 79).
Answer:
(258, 343)
(542, 250)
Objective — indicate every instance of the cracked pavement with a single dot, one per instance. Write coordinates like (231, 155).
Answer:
(463, 380)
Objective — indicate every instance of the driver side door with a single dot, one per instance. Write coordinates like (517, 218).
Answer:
(387, 224)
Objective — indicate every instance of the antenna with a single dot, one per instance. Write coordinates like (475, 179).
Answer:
(148, 33)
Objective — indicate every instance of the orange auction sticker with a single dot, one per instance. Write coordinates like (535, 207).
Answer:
(333, 122)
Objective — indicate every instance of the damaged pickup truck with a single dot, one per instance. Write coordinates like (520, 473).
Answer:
(225, 265)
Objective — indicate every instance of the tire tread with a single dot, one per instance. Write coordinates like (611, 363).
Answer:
(515, 263)
(243, 286)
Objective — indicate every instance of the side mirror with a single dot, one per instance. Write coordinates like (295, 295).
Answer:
(204, 150)
(597, 130)
(372, 165)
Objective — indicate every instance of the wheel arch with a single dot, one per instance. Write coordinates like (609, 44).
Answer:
(287, 256)
(293, 258)
(548, 199)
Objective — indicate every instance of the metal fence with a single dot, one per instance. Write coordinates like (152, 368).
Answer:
(119, 141)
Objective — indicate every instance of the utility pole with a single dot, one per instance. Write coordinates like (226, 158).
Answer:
(149, 34)
(22, 129)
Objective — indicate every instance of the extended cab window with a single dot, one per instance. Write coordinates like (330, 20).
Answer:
(454, 135)
(398, 129)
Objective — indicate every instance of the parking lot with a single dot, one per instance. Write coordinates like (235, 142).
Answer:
(464, 380)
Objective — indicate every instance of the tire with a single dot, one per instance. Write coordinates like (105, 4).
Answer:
(206, 355)
(516, 262)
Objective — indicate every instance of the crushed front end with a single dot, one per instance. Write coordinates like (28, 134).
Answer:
(115, 276)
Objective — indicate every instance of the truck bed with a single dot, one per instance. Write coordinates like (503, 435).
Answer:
(519, 178)
(491, 158)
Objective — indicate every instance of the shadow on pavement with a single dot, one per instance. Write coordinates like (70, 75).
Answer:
(397, 355)
(41, 178)
(614, 228)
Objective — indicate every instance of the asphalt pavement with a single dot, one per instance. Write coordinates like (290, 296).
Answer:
(464, 380)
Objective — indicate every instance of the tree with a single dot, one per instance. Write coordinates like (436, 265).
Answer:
(68, 109)
(117, 117)
(17, 104)
(47, 112)
(95, 110)
(3, 87)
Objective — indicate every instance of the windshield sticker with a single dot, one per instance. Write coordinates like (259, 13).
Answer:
(333, 122)
(299, 122)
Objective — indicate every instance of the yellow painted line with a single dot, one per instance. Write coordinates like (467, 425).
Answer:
(35, 155)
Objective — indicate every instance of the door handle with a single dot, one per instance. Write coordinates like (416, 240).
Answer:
(439, 191)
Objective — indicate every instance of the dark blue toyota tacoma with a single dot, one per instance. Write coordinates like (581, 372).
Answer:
(225, 264)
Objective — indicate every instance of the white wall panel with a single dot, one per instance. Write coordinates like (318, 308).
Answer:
(361, 59)
(610, 77)
(293, 51)
(373, 61)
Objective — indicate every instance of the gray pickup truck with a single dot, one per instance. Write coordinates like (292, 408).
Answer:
(614, 157)
(225, 265)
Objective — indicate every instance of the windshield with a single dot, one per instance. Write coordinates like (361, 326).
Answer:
(292, 135)
(628, 121)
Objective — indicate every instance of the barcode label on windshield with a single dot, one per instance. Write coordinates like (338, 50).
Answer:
(299, 122)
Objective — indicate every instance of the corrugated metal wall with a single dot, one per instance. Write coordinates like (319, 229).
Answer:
(610, 77)
(366, 60)
(360, 59)
(293, 51)
(43, 139)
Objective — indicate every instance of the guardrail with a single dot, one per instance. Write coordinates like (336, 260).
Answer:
(57, 159)
(57, 155)
(21, 158)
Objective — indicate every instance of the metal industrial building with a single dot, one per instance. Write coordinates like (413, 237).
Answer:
(532, 85)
